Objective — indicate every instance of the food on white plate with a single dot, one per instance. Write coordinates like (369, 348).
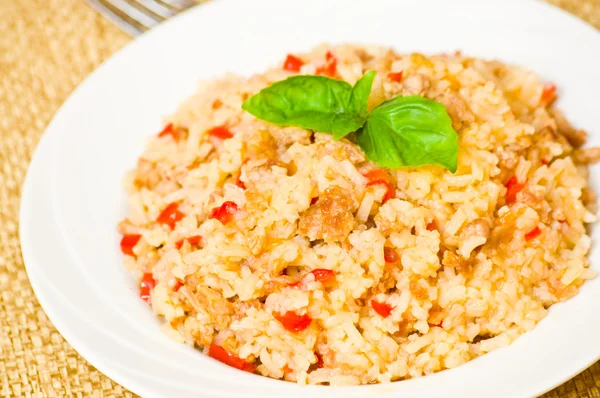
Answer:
(355, 215)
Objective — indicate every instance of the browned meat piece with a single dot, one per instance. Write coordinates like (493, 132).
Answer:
(330, 218)
(508, 159)
(286, 136)
(457, 109)
(418, 291)
(462, 265)
(387, 281)
(589, 199)
(205, 300)
(436, 317)
(587, 155)
(260, 145)
(243, 306)
(201, 332)
(574, 136)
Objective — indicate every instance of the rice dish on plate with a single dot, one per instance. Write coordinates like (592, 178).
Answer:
(284, 252)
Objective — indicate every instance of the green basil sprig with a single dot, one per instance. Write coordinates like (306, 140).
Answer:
(409, 131)
(315, 103)
(403, 131)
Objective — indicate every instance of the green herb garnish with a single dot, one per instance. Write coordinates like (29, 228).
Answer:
(315, 103)
(403, 131)
(409, 131)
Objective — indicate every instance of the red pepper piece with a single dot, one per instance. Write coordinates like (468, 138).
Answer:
(192, 240)
(292, 63)
(220, 132)
(379, 176)
(513, 187)
(128, 242)
(390, 255)
(225, 212)
(170, 215)
(293, 322)
(325, 276)
(330, 66)
(146, 285)
(432, 226)
(534, 233)
(170, 130)
(222, 355)
(395, 76)
(548, 94)
(320, 362)
(178, 285)
(383, 309)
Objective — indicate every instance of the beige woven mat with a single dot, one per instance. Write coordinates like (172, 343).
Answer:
(46, 48)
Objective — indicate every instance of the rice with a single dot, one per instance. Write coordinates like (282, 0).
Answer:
(447, 270)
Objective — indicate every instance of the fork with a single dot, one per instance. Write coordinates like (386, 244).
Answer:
(137, 16)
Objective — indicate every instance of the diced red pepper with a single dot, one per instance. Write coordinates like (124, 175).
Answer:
(383, 309)
(146, 285)
(330, 66)
(390, 255)
(548, 93)
(378, 176)
(534, 233)
(432, 226)
(128, 242)
(292, 321)
(225, 212)
(178, 285)
(544, 162)
(325, 276)
(320, 362)
(395, 76)
(222, 355)
(192, 240)
(195, 240)
(381, 177)
(513, 187)
(220, 132)
(170, 130)
(239, 182)
(296, 284)
(170, 215)
(314, 200)
(292, 63)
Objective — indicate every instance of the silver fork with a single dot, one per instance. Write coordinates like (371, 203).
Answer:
(137, 16)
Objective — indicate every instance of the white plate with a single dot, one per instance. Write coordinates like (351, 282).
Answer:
(72, 198)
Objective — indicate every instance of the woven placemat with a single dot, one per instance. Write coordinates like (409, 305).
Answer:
(46, 48)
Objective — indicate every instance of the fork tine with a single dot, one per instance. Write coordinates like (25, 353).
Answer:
(179, 5)
(137, 16)
(153, 7)
(144, 18)
(118, 17)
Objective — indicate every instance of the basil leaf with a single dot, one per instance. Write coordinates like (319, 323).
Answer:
(359, 98)
(409, 131)
(313, 102)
